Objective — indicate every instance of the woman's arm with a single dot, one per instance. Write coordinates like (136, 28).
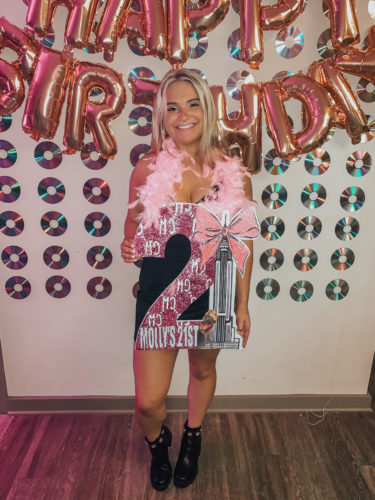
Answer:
(137, 179)
(243, 283)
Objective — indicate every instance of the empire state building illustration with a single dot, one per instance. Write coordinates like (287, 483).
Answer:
(222, 294)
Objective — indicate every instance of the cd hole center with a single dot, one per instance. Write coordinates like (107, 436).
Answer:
(271, 260)
(358, 164)
(193, 42)
(271, 228)
(14, 257)
(337, 289)
(57, 287)
(352, 198)
(305, 259)
(99, 287)
(11, 223)
(99, 257)
(17, 287)
(289, 42)
(97, 224)
(3, 154)
(56, 257)
(274, 196)
(313, 196)
(94, 156)
(6, 189)
(267, 289)
(342, 258)
(48, 155)
(142, 121)
(309, 228)
(301, 291)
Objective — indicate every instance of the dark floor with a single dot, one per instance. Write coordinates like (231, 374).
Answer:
(272, 456)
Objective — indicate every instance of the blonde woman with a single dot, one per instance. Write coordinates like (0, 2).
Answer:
(187, 164)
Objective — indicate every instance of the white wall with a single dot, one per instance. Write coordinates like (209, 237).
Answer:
(82, 346)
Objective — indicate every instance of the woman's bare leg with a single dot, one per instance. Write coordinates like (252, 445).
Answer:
(153, 373)
(202, 383)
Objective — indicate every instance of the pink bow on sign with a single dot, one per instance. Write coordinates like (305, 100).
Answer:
(209, 232)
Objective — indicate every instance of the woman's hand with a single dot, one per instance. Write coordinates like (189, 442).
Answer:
(243, 323)
(128, 251)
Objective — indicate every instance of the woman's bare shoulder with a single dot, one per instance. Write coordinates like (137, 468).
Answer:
(142, 168)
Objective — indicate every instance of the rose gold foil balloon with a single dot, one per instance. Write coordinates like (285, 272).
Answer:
(278, 125)
(246, 129)
(80, 22)
(177, 33)
(359, 62)
(251, 33)
(204, 18)
(348, 112)
(119, 20)
(344, 25)
(316, 104)
(143, 90)
(27, 49)
(255, 18)
(97, 116)
(12, 90)
(47, 93)
(280, 15)
(40, 14)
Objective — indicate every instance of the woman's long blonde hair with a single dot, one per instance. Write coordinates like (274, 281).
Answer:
(209, 147)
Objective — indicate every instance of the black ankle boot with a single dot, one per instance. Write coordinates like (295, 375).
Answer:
(161, 469)
(187, 463)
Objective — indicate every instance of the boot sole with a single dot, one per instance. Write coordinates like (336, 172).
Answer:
(184, 484)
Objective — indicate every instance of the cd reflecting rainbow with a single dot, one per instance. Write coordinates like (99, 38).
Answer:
(305, 259)
(352, 198)
(138, 152)
(56, 257)
(51, 190)
(142, 72)
(48, 40)
(267, 289)
(324, 45)
(271, 259)
(289, 42)
(8, 154)
(140, 121)
(301, 291)
(309, 227)
(359, 163)
(18, 287)
(235, 82)
(11, 223)
(5, 122)
(99, 287)
(281, 74)
(54, 223)
(137, 45)
(368, 136)
(99, 257)
(313, 195)
(92, 158)
(274, 196)
(58, 287)
(198, 45)
(337, 289)
(342, 259)
(96, 191)
(14, 257)
(347, 228)
(274, 164)
(97, 224)
(234, 44)
(366, 90)
(48, 155)
(317, 162)
(10, 190)
(272, 228)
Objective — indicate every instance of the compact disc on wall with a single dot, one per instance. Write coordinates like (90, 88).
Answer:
(235, 82)
(10, 189)
(271, 259)
(96, 191)
(5, 122)
(301, 291)
(8, 154)
(14, 257)
(58, 287)
(99, 287)
(324, 45)
(272, 228)
(99, 257)
(352, 198)
(347, 228)
(313, 195)
(368, 136)
(359, 163)
(142, 72)
(56, 257)
(267, 289)
(337, 289)
(274, 196)
(234, 44)
(54, 223)
(274, 164)
(97, 224)
(342, 259)
(198, 45)
(136, 45)
(92, 158)
(309, 227)
(11, 223)
(305, 259)
(366, 90)
(48, 155)
(140, 121)
(51, 190)
(17, 287)
(138, 152)
(317, 162)
(289, 42)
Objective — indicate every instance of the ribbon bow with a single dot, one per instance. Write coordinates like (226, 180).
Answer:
(209, 232)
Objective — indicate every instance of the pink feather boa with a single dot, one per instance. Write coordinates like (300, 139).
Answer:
(166, 171)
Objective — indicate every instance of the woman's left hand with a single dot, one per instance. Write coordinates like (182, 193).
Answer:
(243, 323)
